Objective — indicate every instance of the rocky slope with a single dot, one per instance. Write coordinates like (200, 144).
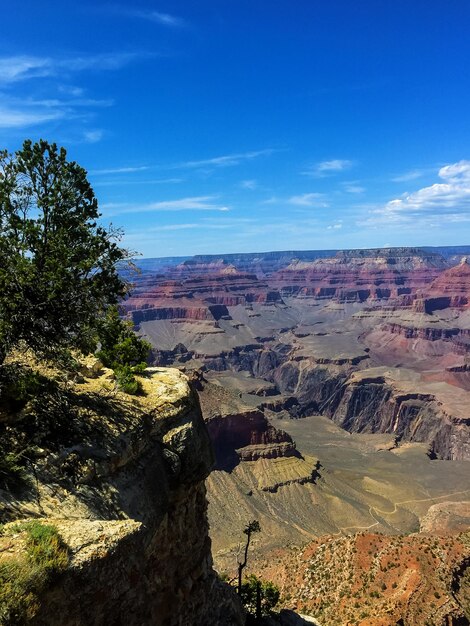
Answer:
(195, 291)
(375, 580)
(124, 485)
(243, 436)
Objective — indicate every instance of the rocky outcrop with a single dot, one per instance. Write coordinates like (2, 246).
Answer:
(309, 325)
(451, 289)
(126, 491)
(239, 432)
(196, 291)
(374, 401)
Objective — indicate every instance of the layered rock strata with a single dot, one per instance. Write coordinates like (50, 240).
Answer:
(359, 275)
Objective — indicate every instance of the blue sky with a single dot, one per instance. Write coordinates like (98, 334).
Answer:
(232, 125)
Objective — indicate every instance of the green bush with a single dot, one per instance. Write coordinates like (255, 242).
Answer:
(22, 580)
(126, 380)
(12, 472)
(269, 595)
(45, 547)
(122, 350)
(19, 385)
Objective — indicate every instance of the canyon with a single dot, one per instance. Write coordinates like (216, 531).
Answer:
(324, 395)
(334, 386)
(378, 340)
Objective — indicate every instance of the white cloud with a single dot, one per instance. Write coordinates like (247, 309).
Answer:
(404, 178)
(121, 170)
(336, 226)
(28, 111)
(24, 112)
(328, 168)
(199, 203)
(17, 68)
(308, 200)
(151, 181)
(447, 201)
(171, 227)
(10, 118)
(353, 187)
(165, 19)
(456, 172)
(93, 136)
(226, 160)
(249, 184)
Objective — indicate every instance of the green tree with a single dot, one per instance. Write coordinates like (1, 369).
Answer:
(58, 266)
(122, 350)
(119, 345)
(259, 597)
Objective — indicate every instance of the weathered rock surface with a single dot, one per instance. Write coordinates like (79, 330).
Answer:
(128, 496)
(357, 275)
(240, 432)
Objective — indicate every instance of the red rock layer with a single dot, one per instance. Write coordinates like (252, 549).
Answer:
(361, 275)
(451, 289)
(195, 292)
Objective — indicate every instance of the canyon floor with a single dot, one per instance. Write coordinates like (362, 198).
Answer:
(364, 484)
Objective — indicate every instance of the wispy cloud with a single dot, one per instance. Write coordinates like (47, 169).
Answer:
(165, 19)
(337, 226)
(20, 68)
(14, 68)
(328, 168)
(405, 177)
(353, 187)
(93, 136)
(447, 201)
(249, 184)
(227, 160)
(198, 203)
(17, 112)
(121, 170)
(22, 118)
(151, 181)
(308, 200)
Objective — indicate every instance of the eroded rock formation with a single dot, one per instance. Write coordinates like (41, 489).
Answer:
(126, 490)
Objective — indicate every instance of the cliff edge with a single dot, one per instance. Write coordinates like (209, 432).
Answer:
(122, 480)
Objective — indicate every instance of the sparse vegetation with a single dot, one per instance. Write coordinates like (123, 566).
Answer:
(23, 579)
(250, 528)
(122, 350)
(259, 597)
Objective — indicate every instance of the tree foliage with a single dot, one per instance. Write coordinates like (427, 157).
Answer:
(119, 344)
(122, 350)
(259, 597)
(58, 266)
